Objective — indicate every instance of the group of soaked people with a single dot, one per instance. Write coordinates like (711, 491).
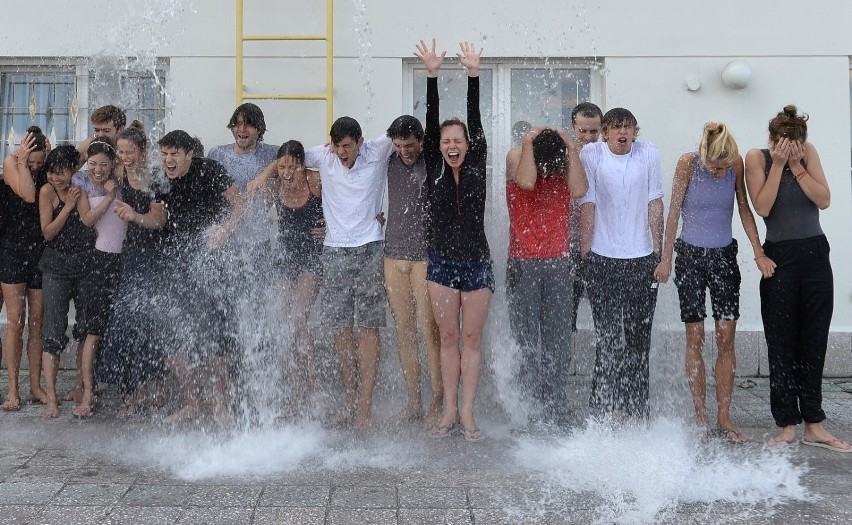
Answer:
(95, 225)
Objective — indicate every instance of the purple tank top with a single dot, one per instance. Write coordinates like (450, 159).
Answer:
(708, 208)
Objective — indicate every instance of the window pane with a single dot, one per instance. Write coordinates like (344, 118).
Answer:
(53, 92)
(546, 96)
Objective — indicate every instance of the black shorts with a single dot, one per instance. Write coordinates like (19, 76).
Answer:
(20, 265)
(97, 290)
(464, 276)
(697, 269)
(291, 265)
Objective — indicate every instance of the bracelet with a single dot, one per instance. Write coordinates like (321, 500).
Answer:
(760, 257)
(800, 175)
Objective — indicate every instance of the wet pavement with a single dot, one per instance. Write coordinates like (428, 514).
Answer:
(110, 471)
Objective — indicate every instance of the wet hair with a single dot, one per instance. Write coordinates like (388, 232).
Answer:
(292, 148)
(404, 126)
(789, 123)
(135, 134)
(62, 158)
(109, 113)
(102, 145)
(519, 129)
(197, 147)
(178, 139)
(586, 109)
(619, 117)
(39, 140)
(455, 121)
(345, 127)
(549, 151)
(252, 115)
(717, 143)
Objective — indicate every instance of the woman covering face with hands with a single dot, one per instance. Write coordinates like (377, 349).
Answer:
(788, 187)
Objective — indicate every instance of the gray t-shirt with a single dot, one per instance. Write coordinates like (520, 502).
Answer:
(406, 236)
(256, 226)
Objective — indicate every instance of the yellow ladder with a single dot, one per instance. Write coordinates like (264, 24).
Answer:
(329, 61)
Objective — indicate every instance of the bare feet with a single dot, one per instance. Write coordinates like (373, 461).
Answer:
(51, 410)
(363, 420)
(75, 395)
(13, 404)
(434, 414)
(84, 411)
(730, 431)
(817, 436)
(184, 414)
(38, 396)
(785, 438)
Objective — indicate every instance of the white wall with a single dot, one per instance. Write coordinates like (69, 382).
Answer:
(799, 54)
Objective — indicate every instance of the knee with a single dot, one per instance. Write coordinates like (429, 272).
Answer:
(472, 339)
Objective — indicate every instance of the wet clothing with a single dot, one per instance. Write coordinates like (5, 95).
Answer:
(194, 202)
(140, 239)
(696, 270)
(539, 218)
(708, 207)
(796, 303)
(793, 215)
(299, 252)
(464, 276)
(406, 229)
(255, 226)
(456, 210)
(21, 240)
(352, 198)
(66, 266)
(353, 288)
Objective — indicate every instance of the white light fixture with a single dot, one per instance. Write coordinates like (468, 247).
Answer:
(736, 74)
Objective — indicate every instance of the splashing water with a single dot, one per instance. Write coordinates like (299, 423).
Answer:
(642, 473)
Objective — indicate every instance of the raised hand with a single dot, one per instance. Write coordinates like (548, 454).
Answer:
(796, 153)
(27, 146)
(429, 58)
(124, 211)
(110, 186)
(780, 151)
(469, 58)
(72, 197)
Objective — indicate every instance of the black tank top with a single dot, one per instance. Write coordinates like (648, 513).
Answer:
(295, 224)
(793, 215)
(22, 227)
(74, 237)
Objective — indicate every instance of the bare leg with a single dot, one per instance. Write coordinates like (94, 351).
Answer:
(432, 338)
(90, 350)
(695, 373)
(446, 304)
(344, 346)
(14, 296)
(368, 364)
(726, 363)
(179, 365)
(76, 394)
(50, 364)
(35, 315)
(307, 286)
(474, 306)
(218, 395)
(401, 299)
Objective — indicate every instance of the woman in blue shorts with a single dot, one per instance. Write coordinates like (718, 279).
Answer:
(459, 273)
(705, 187)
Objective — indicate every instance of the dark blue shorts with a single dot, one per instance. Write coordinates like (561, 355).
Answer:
(696, 270)
(464, 276)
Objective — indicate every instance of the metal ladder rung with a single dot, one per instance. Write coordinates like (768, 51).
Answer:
(284, 97)
(284, 37)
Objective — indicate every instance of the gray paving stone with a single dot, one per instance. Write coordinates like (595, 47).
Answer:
(19, 514)
(830, 484)
(362, 517)
(435, 517)
(294, 496)
(225, 496)
(72, 515)
(90, 494)
(90, 473)
(41, 474)
(504, 517)
(157, 495)
(364, 497)
(289, 516)
(146, 515)
(16, 456)
(215, 516)
(57, 457)
(432, 497)
(28, 493)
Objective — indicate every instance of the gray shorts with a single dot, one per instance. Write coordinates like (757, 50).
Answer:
(353, 288)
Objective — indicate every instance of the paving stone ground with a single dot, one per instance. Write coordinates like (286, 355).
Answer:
(137, 471)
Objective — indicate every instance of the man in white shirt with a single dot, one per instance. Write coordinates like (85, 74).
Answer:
(621, 237)
(353, 173)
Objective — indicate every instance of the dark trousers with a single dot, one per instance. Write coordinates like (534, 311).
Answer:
(539, 294)
(623, 296)
(796, 304)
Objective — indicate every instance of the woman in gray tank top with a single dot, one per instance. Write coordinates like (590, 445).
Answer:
(707, 183)
(787, 187)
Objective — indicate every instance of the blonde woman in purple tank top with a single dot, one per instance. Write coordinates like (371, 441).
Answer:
(705, 187)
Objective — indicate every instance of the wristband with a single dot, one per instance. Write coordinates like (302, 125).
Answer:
(800, 175)
(760, 257)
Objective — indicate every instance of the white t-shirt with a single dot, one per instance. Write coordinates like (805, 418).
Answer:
(351, 198)
(620, 187)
